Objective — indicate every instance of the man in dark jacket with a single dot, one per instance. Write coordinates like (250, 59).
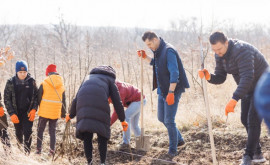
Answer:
(20, 97)
(92, 109)
(3, 126)
(246, 64)
(170, 79)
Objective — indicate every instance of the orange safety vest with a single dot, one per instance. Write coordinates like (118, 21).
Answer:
(51, 105)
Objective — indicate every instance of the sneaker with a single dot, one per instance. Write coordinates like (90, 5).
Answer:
(172, 154)
(123, 146)
(258, 158)
(181, 143)
(51, 153)
(246, 160)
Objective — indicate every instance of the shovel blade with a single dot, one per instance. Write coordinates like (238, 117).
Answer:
(143, 143)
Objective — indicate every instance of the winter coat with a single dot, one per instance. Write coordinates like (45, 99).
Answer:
(28, 99)
(52, 100)
(262, 97)
(128, 94)
(244, 62)
(91, 103)
(3, 119)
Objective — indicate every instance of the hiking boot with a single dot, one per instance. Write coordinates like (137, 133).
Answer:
(123, 146)
(258, 158)
(246, 160)
(181, 143)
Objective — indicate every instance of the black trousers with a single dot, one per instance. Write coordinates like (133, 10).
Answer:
(88, 147)
(52, 128)
(252, 123)
(24, 131)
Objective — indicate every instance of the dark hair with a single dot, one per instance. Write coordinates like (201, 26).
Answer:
(149, 35)
(217, 37)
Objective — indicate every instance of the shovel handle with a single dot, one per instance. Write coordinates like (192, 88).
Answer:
(142, 127)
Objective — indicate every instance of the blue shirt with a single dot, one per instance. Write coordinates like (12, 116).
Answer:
(172, 67)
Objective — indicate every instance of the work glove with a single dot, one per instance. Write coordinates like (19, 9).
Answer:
(32, 114)
(141, 53)
(170, 98)
(230, 106)
(1, 111)
(204, 72)
(14, 119)
(109, 100)
(124, 125)
(67, 118)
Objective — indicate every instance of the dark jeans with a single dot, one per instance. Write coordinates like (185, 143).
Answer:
(24, 131)
(88, 147)
(252, 123)
(40, 129)
(4, 138)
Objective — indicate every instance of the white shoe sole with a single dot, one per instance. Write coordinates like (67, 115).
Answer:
(259, 160)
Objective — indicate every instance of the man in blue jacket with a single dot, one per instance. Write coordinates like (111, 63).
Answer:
(170, 80)
(262, 97)
(246, 63)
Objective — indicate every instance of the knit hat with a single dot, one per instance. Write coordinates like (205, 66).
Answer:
(50, 68)
(21, 66)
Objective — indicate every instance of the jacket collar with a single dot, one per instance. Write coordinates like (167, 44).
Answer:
(161, 45)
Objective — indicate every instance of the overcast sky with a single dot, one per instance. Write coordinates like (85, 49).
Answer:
(131, 13)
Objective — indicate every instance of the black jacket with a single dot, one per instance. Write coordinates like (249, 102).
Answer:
(244, 62)
(91, 103)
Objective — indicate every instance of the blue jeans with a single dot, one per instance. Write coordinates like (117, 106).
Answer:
(166, 115)
(132, 118)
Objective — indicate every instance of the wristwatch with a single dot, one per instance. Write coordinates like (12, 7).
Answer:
(171, 91)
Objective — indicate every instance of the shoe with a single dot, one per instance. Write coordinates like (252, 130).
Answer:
(258, 158)
(123, 146)
(51, 153)
(246, 160)
(38, 152)
(181, 143)
(172, 154)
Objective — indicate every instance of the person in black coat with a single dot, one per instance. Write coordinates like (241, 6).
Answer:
(246, 63)
(92, 109)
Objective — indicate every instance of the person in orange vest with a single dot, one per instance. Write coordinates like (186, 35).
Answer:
(52, 103)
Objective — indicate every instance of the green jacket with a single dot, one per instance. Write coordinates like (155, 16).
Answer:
(10, 95)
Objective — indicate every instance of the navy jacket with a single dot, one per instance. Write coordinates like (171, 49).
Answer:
(160, 67)
(244, 62)
(91, 103)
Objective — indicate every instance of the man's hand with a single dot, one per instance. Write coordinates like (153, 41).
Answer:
(204, 72)
(230, 106)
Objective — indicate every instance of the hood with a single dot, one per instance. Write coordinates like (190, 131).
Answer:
(104, 69)
(54, 81)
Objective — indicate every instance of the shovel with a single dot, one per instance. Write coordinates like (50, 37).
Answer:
(143, 141)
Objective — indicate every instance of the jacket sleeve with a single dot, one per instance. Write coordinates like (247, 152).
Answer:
(8, 98)
(35, 96)
(172, 66)
(245, 63)
(63, 110)
(40, 93)
(220, 74)
(113, 117)
(117, 103)
(72, 112)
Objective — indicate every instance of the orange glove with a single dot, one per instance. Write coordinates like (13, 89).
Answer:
(1, 111)
(230, 106)
(141, 53)
(32, 114)
(170, 98)
(67, 118)
(109, 100)
(14, 119)
(205, 73)
(124, 125)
